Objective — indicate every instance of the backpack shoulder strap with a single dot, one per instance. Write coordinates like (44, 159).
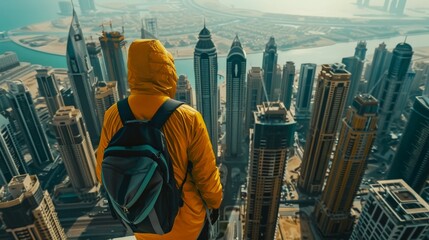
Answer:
(164, 112)
(125, 112)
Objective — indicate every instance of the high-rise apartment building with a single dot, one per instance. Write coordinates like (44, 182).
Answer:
(380, 64)
(269, 65)
(28, 212)
(29, 123)
(87, 6)
(81, 75)
(272, 137)
(114, 49)
(184, 91)
(360, 50)
(106, 94)
(152, 26)
(393, 210)
(255, 96)
(391, 87)
(411, 162)
(76, 151)
(305, 90)
(235, 98)
(288, 78)
(205, 69)
(397, 7)
(357, 135)
(48, 88)
(8, 60)
(11, 160)
(330, 99)
(355, 66)
(97, 60)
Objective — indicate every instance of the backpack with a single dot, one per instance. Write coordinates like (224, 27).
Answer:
(137, 172)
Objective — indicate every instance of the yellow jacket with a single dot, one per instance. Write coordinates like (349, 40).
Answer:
(152, 79)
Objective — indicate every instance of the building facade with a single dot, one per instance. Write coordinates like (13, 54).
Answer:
(97, 60)
(106, 94)
(288, 78)
(255, 96)
(269, 65)
(357, 135)
(28, 212)
(380, 64)
(48, 88)
(305, 91)
(272, 137)
(355, 66)
(331, 95)
(184, 91)
(8, 60)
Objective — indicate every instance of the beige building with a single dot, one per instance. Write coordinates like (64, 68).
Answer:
(106, 94)
(27, 211)
(48, 88)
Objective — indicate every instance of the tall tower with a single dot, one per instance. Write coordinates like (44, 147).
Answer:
(106, 94)
(48, 88)
(360, 50)
(184, 91)
(269, 65)
(272, 136)
(82, 78)
(254, 96)
(305, 90)
(29, 123)
(380, 64)
(27, 211)
(11, 161)
(330, 99)
(205, 68)
(287, 84)
(355, 66)
(87, 6)
(392, 210)
(235, 97)
(391, 87)
(97, 60)
(115, 56)
(357, 135)
(411, 162)
(76, 149)
(152, 26)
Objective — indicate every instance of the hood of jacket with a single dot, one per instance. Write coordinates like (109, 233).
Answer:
(151, 69)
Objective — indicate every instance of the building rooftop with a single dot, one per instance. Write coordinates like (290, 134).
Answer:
(273, 112)
(17, 186)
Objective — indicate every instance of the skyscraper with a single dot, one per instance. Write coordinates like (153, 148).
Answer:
(29, 123)
(380, 64)
(360, 50)
(27, 211)
(357, 135)
(205, 68)
(97, 60)
(305, 90)
(184, 91)
(235, 97)
(287, 84)
(106, 94)
(115, 57)
(272, 136)
(48, 88)
(152, 26)
(269, 65)
(392, 211)
(411, 162)
(355, 66)
(87, 6)
(391, 86)
(82, 78)
(330, 99)
(11, 161)
(255, 96)
(397, 7)
(76, 150)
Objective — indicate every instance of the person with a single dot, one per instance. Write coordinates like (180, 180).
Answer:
(152, 80)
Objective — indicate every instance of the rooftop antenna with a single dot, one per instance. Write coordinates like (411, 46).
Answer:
(204, 22)
(72, 4)
(123, 29)
(405, 40)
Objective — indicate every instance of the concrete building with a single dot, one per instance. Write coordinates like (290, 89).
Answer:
(184, 91)
(330, 99)
(8, 60)
(272, 137)
(355, 141)
(235, 98)
(106, 94)
(206, 73)
(87, 6)
(354, 65)
(97, 60)
(152, 26)
(269, 65)
(28, 212)
(286, 89)
(305, 90)
(255, 95)
(393, 210)
(380, 64)
(48, 88)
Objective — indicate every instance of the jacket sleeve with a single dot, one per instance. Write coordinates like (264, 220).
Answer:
(204, 171)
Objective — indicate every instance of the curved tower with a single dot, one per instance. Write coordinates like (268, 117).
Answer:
(269, 64)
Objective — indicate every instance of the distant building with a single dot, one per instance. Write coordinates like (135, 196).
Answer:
(97, 60)
(115, 56)
(184, 91)
(4, 100)
(29, 123)
(27, 211)
(11, 160)
(48, 88)
(392, 210)
(152, 26)
(235, 98)
(269, 65)
(355, 141)
(68, 97)
(255, 95)
(288, 78)
(76, 151)
(66, 8)
(205, 69)
(355, 66)
(330, 99)
(87, 6)
(305, 91)
(397, 7)
(8, 60)
(380, 64)
(360, 50)
(272, 137)
(106, 94)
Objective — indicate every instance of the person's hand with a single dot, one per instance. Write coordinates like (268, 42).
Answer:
(214, 215)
